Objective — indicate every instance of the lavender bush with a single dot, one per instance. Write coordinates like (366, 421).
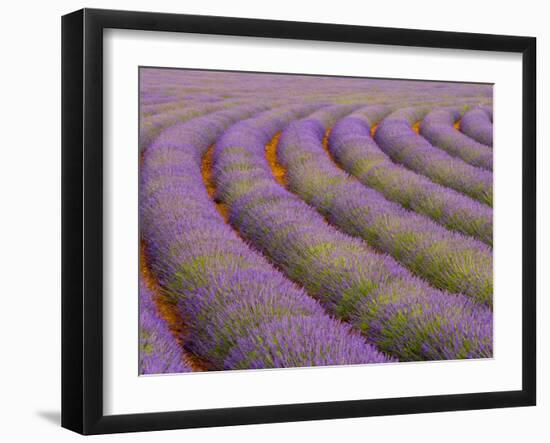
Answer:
(448, 260)
(228, 295)
(396, 311)
(396, 138)
(265, 253)
(478, 124)
(352, 146)
(437, 128)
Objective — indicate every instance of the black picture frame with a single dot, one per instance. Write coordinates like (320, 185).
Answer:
(82, 216)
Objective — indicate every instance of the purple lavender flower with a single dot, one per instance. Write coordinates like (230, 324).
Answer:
(298, 341)
(152, 125)
(227, 294)
(447, 259)
(478, 125)
(437, 128)
(396, 138)
(235, 257)
(489, 110)
(353, 148)
(398, 312)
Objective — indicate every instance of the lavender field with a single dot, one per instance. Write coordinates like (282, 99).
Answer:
(295, 221)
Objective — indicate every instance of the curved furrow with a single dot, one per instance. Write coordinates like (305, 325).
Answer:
(395, 310)
(437, 127)
(278, 171)
(478, 125)
(446, 259)
(354, 149)
(151, 126)
(208, 180)
(396, 138)
(239, 310)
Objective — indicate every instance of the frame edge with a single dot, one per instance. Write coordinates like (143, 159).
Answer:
(72, 315)
(529, 221)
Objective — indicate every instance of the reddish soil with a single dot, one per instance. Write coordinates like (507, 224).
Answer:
(325, 144)
(208, 179)
(373, 129)
(278, 171)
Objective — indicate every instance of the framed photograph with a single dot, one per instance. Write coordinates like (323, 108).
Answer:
(269, 221)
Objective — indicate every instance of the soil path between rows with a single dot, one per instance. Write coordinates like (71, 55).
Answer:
(168, 313)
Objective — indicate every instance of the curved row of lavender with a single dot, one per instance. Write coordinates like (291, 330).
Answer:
(477, 124)
(240, 311)
(437, 127)
(352, 146)
(152, 125)
(488, 110)
(398, 140)
(159, 352)
(401, 314)
(446, 259)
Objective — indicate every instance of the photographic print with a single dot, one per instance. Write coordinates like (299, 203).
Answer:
(292, 221)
